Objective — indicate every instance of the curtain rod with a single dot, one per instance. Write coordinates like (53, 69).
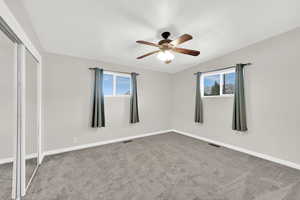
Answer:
(113, 71)
(214, 70)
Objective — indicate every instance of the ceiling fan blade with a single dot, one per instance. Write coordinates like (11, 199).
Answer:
(186, 51)
(148, 43)
(168, 61)
(181, 39)
(148, 54)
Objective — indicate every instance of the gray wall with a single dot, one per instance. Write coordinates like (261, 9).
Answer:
(272, 95)
(31, 122)
(67, 92)
(18, 10)
(7, 97)
(7, 82)
(167, 101)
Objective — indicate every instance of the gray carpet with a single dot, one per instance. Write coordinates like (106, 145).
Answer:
(163, 167)
(31, 165)
(6, 177)
(5, 181)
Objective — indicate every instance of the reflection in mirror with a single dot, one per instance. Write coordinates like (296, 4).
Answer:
(8, 118)
(31, 133)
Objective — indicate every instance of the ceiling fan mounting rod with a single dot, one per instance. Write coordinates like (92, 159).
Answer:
(165, 35)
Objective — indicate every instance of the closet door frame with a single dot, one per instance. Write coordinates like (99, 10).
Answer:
(10, 26)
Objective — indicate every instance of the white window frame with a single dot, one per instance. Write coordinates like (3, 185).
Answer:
(221, 74)
(114, 74)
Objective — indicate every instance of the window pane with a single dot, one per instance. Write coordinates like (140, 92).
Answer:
(212, 85)
(123, 85)
(108, 84)
(229, 82)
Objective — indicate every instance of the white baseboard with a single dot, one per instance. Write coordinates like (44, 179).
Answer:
(6, 160)
(252, 153)
(10, 160)
(90, 145)
(85, 146)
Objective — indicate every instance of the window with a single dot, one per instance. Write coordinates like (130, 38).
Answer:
(228, 83)
(220, 83)
(122, 85)
(108, 80)
(115, 84)
(212, 85)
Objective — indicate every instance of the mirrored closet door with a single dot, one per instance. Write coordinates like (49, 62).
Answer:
(8, 115)
(31, 133)
(20, 108)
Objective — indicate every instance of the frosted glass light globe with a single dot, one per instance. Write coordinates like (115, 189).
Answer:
(165, 56)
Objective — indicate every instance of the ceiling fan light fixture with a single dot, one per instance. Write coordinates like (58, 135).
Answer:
(165, 56)
(167, 46)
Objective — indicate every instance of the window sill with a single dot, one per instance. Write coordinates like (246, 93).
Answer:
(215, 97)
(121, 96)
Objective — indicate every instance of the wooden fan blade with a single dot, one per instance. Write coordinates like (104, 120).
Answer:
(148, 43)
(168, 61)
(186, 51)
(148, 54)
(181, 39)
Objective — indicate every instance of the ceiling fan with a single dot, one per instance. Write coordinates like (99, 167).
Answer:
(166, 46)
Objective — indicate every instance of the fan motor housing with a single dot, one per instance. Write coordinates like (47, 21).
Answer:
(164, 41)
(165, 35)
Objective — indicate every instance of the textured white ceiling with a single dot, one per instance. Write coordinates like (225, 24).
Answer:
(106, 30)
